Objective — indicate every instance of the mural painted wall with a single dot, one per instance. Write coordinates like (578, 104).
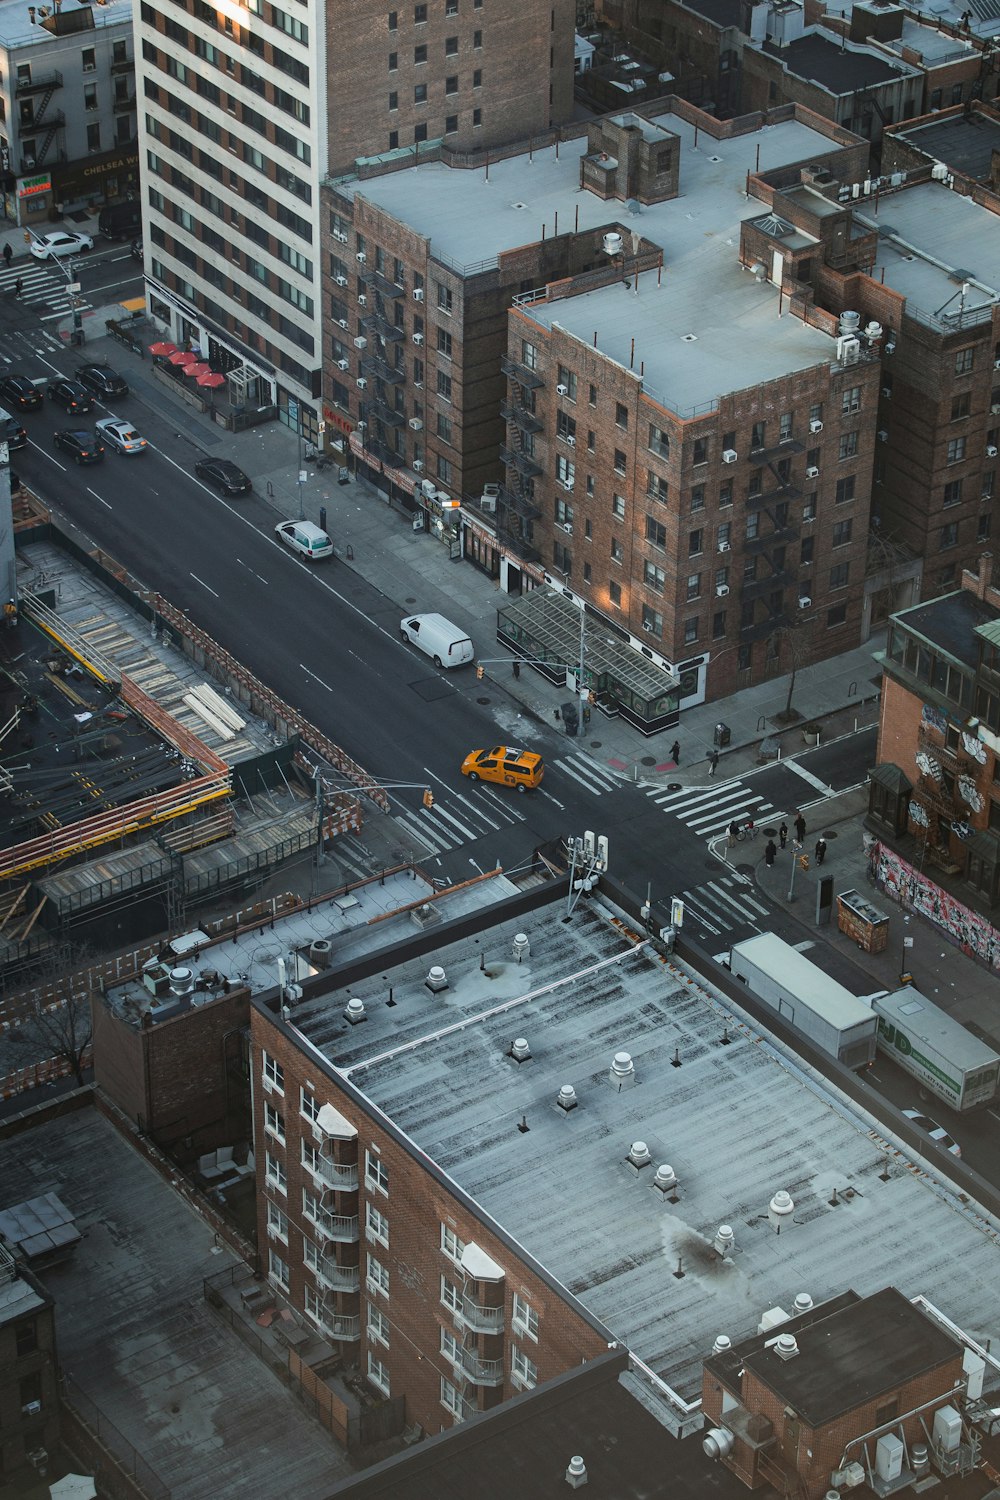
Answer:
(905, 885)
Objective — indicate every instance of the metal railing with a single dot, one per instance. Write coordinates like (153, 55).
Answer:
(104, 1432)
(481, 1319)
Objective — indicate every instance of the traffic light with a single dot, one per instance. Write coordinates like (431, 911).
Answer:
(428, 798)
(803, 861)
(480, 673)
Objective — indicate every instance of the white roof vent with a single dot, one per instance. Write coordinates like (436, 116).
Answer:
(666, 1178)
(567, 1097)
(873, 332)
(181, 981)
(803, 1302)
(773, 1318)
(723, 1344)
(436, 980)
(520, 1051)
(780, 1210)
(785, 1346)
(612, 243)
(522, 948)
(850, 322)
(354, 1011)
(717, 1444)
(638, 1154)
(576, 1473)
(724, 1240)
(622, 1073)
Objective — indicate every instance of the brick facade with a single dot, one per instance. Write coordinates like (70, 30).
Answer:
(29, 1398)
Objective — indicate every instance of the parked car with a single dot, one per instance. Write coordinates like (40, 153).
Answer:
(937, 1133)
(135, 249)
(226, 477)
(19, 392)
(521, 768)
(121, 435)
(58, 244)
(80, 444)
(73, 397)
(306, 538)
(11, 431)
(446, 644)
(102, 380)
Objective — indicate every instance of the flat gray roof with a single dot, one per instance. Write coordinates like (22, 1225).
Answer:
(735, 1121)
(931, 240)
(738, 338)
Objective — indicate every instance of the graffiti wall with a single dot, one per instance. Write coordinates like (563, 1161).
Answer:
(913, 891)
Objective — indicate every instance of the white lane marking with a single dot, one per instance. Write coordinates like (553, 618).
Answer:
(724, 896)
(205, 586)
(542, 792)
(704, 822)
(108, 506)
(306, 670)
(472, 806)
(731, 801)
(442, 812)
(660, 796)
(430, 839)
(702, 920)
(588, 786)
(500, 805)
(259, 576)
(814, 781)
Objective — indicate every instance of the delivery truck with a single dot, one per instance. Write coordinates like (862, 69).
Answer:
(950, 1062)
(806, 998)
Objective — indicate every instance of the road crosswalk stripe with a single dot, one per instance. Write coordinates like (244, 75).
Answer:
(725, 805)
(662, 798)
(431, 837)
(432, 813)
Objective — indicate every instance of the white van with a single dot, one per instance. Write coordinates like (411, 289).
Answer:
(438, 638)
(305, 538)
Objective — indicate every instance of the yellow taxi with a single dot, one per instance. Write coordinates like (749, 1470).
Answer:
(521, 768)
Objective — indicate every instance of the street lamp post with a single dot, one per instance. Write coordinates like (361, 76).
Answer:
(796, 851)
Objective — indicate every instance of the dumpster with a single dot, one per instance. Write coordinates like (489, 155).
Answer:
(723, 734)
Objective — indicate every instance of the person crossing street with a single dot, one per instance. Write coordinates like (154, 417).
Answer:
(8, 255)
(713, 761)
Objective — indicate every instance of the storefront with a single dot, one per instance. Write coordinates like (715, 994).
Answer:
(104, 177)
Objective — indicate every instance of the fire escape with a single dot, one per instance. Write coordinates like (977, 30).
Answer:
(337, 1269)
(937, 808)
(382, 369)
(517, 509)
(43, 87)
(773, 500)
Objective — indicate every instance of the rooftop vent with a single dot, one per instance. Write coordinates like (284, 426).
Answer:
(773, 1318)
(785, 1346)
(567, 1099)
(576, 1473)
(612, 244)
(522, 948)
(724, 1240)
(520, 1051)
(181, 981)
(436, 980)
(319, 953)
(850, 322)
(665, 1180)
(717, 1444)
(803, 1302)
(723, 1344)
(780, 1210)
(622, 1075)
(354, 1011)
(638, 1154)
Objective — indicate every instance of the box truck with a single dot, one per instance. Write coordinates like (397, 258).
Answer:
(950, 1062)
(809, 1001)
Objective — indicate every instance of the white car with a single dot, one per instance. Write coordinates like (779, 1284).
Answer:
(121, 435)
(937, 1133)
(306, 539)
(59, 243)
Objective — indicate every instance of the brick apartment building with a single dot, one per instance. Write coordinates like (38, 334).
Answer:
(244, 118)
(937, 779)
(29, 1396)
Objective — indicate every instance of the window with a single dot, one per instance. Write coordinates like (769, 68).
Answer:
(444, 385)
(26, 1337)
(274, 1173)
(753, 524)
(960, 406)
(376, 1172)
(807, 549)
(984, 529)
(591, 441)
(842, 533)
(378, 1374)
(656, 533)
(850, 400)
(393, 20)
(809, 508)
(565, 471)
(523, 1372)
(620, 461)
(700, 454)
(277, 1269)
(617, 550)
(451, 84)
(696, 540)
(726, 493)
(452, 1246)
(618, 507)
(755, 484)
(758, 435)
(451, 46)
(719, 625)
(444, 427)
(836, 616)
(90, 96)
(653, 577)
(848, 446)
(656, 487)
(477, 118)
(420, 93)
(376, 1224)
(964, 361)
(845, 489)
(652, 620)
(444, 468)
(420, 53)
(94, 138)
(694, 586)
(377, 1324)
(419, 15)
(839, 575)
(393, 61)
(444, 302)
(277, 1222)
(450, 1347)
(659, 441)
(452, 1399)
(690, 630)
(956, 450)
(567, 379)
(444, 342)
(88, 58)
(393, 100)
(953, 492)
(477, 78)
(698, 497)
(564, 514)
(724, 536)
(273, 1073)
(450, 124)
(949, 535)
(615, 594)
(785, 427)
(621, 415)
(378, 1276)
(273, 1121)
(450, 1295)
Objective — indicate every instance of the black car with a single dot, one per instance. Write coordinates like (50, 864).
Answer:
(79, 444)
(11, 431)
(223, 476)
(101, 380)
(19, 392)
(73, 397)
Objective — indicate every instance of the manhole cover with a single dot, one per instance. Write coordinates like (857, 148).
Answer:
(595, 744)
(410, 599)
(483, 701)
(745, 869)
(770, 833)
(648, 760)
(830, 834)
(675, 786)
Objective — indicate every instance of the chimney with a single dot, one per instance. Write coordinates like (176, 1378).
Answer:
(981, 582)
(576, 1473)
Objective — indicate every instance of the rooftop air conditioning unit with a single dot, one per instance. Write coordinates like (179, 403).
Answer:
(571, 440)
(362, 300)
(361, 383)
(812, 472)
(883, 436)
(723, 546)
(343, 364)
(729, 455)
(991, 451)
(340, 280)
(804, 601)
(721, 590)
(361, 342)
(815, 425)
(562, 390)
(416, 424)
(418, 338)
(418, 464)
(341, 235)
(418, 294)
(361, 257)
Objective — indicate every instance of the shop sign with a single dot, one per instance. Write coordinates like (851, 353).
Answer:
(28, 186)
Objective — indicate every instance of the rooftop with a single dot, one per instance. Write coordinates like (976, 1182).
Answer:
(934, 45)
(17, 29)
(18, 1298)
(950, 623)
(931, 242)
(736, 1119)
(836, 65)
(964, 142)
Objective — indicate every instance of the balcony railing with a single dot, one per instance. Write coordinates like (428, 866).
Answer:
(385, 329)
(520, 461)
(481, 1371)
(38, 84)
(383, 285)
(345, 1327)
(338, 1278)
(524, 419)
(481, 1319)
(335, 1175)
(522, 374)
(340, 1227)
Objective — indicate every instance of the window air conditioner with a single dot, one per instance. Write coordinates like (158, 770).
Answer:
(729, 455)
(883, 436)
(418, 338)
(342, 323)
(361, 383)
(812, 472)
(362, 300)
(721, 590)
(340, 234)
(995, 410)
(415, 424)
(418, 294)
(562, 390)
(815, 425)
(343, 364)
(571, 440)
(418, 465)
(991, 451)
(567, 526)
(804, 601)
(723, 546)
(647, 627)
(890, 347)
(887, 391)
(361, 342)
(340, 280)
(567, 485)
(361, 257)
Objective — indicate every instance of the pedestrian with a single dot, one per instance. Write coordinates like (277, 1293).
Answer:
(820, 850)
(751, 828)
(770, 850)
(18, 287)
(800, 827)
(517, 670)
(713, 761)
(734, 833)
(783, 835)
(675, 752)
(8, 255)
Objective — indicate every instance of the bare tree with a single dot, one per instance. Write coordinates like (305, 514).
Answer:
(793, 646)
(60, 1028)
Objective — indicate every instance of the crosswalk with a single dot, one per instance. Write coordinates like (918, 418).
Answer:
(458, 818)
(40, 284)
(724, 910)
(710, 812)
(587, 773)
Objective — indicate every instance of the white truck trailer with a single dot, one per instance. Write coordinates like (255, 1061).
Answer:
(806, 999)
(924, 1040)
